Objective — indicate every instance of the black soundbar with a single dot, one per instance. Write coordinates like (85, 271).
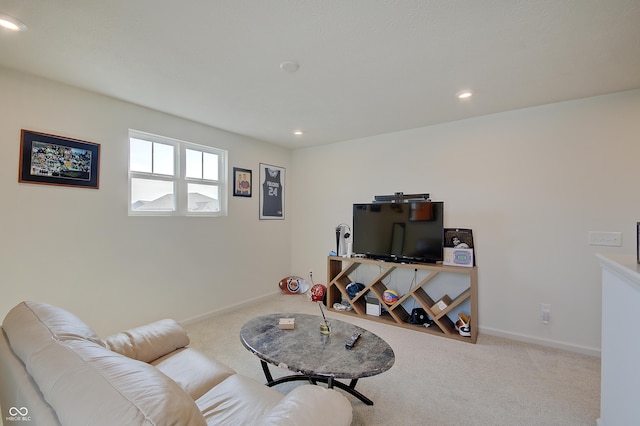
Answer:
(400, 197)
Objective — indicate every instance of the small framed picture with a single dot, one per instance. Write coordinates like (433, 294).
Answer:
(55, 160)
(458, 247)
(272, 188)
(242, 183)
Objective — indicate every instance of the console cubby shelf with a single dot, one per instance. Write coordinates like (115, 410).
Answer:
(339, 270)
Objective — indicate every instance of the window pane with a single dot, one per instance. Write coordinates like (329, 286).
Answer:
(203, 198)
(210, 166)
(152, 195)
(162, 159)
(140, 156)
(194, 164)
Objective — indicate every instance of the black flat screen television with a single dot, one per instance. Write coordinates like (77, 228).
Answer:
(402, 232)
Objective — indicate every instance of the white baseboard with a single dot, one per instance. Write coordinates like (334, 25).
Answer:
(226, 309)
(486, 330)
(544, 342)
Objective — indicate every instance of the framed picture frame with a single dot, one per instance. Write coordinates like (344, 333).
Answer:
(242, 182)
(458, 247)
(55, 160)
(272, 191)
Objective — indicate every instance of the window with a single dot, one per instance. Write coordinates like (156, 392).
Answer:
(168, 177)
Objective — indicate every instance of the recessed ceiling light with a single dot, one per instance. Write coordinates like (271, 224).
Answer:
(465, 94)
(11, 23)
(298, 132)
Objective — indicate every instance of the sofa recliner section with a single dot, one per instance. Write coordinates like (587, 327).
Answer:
(62, 373)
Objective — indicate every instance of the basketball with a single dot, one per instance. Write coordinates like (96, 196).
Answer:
(390, 296)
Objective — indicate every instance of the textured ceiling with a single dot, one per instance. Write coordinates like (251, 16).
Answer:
(367, 67)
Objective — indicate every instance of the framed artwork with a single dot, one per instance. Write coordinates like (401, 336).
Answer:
(55, 160)
(242, 183)
(272, 189)
(458, 247)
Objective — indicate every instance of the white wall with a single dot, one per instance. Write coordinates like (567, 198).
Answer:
(530, 183)
(77, 248)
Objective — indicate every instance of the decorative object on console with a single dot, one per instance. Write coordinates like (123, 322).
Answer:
(343, 233)
(373, 305)
(55, 160)
(463, 325)
(458, 247)
(419, 317)
(242, 183)
(272, 189)
(390, 296)
(441, 304)
(353, 289)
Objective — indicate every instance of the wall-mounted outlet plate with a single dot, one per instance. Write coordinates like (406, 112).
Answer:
(545, 312)
(601, 238)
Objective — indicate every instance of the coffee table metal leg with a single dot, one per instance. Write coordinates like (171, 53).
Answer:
(267, 373)
(351, 389)
(331, 383)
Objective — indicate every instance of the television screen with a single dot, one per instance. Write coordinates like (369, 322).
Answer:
(412, 231)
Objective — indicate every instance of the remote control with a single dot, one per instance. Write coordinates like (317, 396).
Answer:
(352, 340)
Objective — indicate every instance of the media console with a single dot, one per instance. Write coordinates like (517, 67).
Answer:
(339, 270)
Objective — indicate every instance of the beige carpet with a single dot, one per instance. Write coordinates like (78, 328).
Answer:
(436, 381)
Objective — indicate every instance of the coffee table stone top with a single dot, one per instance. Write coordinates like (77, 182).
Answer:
(305, 350)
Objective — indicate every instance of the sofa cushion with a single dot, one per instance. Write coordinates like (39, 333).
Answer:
(41, 322)
(88, 384)
(149, 342)
(309, 405)
(238, 397)
(193, 371)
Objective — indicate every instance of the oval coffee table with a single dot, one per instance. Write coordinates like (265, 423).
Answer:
(316, 357)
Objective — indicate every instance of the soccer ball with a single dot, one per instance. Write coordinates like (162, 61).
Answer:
(390, 297)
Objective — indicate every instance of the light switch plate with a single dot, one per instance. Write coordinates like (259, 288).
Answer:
(602, 238)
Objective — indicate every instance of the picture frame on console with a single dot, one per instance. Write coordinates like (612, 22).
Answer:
(458, 247)
(272, 191)
(242, 182)
(55, 160)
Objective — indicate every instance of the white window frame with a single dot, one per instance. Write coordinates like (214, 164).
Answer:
(180, 181)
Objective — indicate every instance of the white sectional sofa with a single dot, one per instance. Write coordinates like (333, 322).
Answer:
(56, 371)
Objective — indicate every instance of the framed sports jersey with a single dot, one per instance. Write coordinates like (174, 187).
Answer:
(272, 187)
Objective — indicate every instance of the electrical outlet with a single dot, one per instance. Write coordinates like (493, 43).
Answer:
(545, 312)
(310, 275)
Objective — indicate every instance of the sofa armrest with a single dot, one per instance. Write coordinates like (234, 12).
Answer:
(310, 405)
(149, 342)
